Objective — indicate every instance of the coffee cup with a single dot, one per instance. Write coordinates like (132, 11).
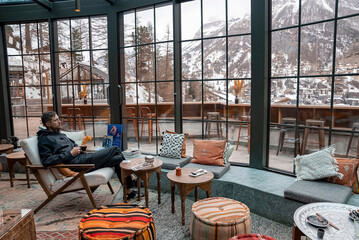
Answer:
(83, 148)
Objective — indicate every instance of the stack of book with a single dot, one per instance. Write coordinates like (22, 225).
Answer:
(131, 153)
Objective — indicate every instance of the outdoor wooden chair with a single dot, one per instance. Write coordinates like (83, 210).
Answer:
(54, 183)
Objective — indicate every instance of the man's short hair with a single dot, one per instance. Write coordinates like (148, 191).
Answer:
(47, 117)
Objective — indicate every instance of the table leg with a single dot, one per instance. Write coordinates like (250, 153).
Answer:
(173, 196)
(139, 188)
(27, 175)
(183, 200)
(10, 165)
(159, 186)
(124, 183)
(145, 183)
(297, 234)
(195, 194)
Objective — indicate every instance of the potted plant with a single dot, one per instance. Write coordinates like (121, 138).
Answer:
(237, 89)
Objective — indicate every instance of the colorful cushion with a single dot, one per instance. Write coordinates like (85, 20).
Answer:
(317, 165)
(348, 167)
(183, 152)
(209, 152)
(119, 221)
(219, 218)
(172, 145)
(251, 237)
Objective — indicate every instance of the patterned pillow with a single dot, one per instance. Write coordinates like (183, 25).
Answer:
(317, 165)
(183, 152)
(172, 145)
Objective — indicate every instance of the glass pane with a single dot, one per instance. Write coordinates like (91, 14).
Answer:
(239, 57)
(66, 93)
(15, 70)
(47, 98)
(214, 58)
(146, 92)
(240, 89)
(63, 35)
(340, 140)
(194, 128)
(214, 18)
(100, 66)
(129, 28)
(191, 60)
(145, 63)
(165, 99)
(192, 100)
(239, 16)
(100, 94)
(316, 53)
(33, 124)
(348, 7)
(314, 99)
(285, 52)
(347, 45)
(131, 93)
(313, 11)
(13, 42)
(64, 68)
(191, 20)
(145, 26)
(164, 23)
(17, 95)
(31, 69)
(164, 61)
(99, 32)
(130, 65)
(29, 38)
(45, 68)
(284, 13)
(214, 91)
(80, 34)
(80, 65)
(346, 101)
(44, 37)
(20, 127)
(33, 101)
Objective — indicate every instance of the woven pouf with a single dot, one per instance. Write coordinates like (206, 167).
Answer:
(219, 218)
(119, 221)
(251, 237)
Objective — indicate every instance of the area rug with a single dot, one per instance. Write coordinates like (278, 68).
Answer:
(63, 213)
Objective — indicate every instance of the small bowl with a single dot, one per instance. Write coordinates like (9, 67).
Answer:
(149, 159)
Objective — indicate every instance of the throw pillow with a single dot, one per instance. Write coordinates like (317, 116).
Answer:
(209, 152)
(183, 151)
(228, 154)
(348, 167)
(317, 165)
(172, 145)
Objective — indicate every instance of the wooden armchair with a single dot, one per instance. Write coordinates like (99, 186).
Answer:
(54, 183)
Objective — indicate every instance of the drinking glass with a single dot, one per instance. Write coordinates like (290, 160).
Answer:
(356, 227)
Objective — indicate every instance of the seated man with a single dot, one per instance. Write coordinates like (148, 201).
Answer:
(55, 148)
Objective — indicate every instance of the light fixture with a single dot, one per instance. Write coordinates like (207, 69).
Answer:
(77, 5)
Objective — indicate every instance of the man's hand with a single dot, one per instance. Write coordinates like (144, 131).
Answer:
(75, 151)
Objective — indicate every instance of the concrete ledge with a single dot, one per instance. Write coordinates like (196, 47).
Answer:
(262, 191)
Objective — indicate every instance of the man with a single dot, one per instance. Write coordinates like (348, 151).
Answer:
(55, 148)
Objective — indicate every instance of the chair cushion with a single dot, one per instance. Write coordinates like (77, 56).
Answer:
(317, 191)
(317, 165)
(172, 145)
(209, 152)
(77, 136)
(348, 167)
(95, 178)
(183, 151)
(218, 171)
(171, 163)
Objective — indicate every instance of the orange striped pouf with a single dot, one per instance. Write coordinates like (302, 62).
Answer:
(219, 218)
(119, 221)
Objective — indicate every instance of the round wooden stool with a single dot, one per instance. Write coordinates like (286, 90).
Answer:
(214, 116)
(118, 221)
(20, 157)
(219, 218)
(282, 139)
(313, 124)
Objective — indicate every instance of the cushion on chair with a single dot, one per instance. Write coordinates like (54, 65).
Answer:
(209, 152)
(171, 163)
(172, 145)
(95, 178)
(76, 136)
(348, 167)
(218, 171)
(317, 191)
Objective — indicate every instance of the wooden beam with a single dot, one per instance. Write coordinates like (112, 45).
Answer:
(44, 3)
(110, 1)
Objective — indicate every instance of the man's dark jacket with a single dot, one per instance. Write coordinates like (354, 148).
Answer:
(54, 147)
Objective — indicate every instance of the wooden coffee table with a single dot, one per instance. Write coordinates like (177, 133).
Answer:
(143, 174)
(186, 184)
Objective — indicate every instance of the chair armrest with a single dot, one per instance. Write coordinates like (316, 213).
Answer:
(62, 166)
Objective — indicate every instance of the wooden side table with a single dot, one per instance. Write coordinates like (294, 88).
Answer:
(186, 184)
(143, 174)
(17, 226)
(11, 160)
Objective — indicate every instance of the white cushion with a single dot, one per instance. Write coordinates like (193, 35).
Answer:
(94, 178)
(76, 136)
(317, 165)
